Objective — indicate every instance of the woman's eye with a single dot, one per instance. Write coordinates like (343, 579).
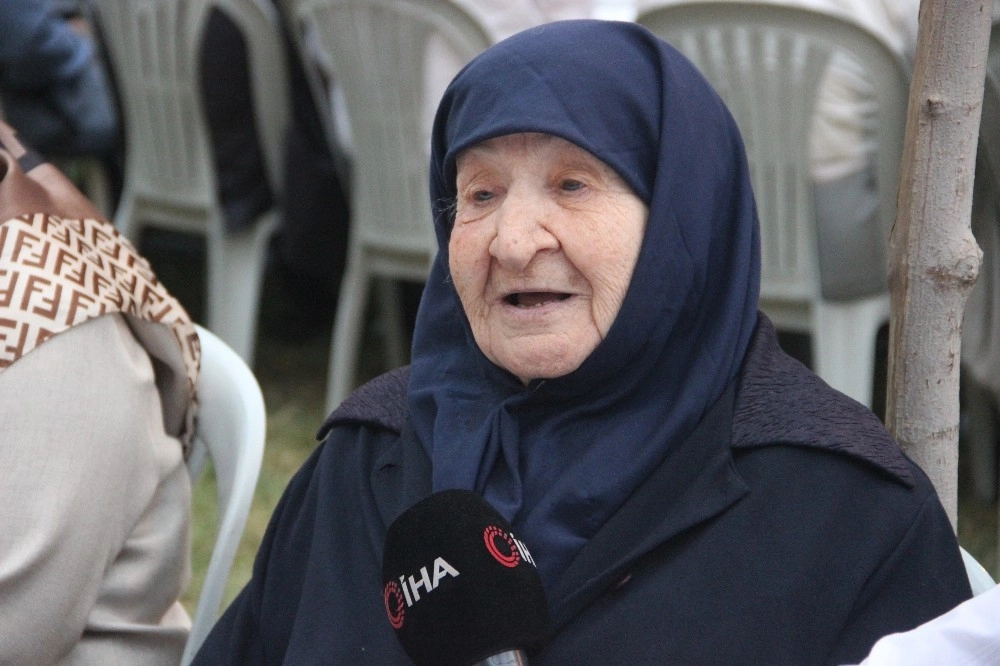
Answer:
(571, 185)
(482, 195)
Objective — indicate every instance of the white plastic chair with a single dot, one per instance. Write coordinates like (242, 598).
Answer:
(979, 578)
(230, 430)
(767, 62)
(375, 52)
(169, 179)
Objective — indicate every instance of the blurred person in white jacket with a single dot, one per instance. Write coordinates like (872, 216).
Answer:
(968, 635)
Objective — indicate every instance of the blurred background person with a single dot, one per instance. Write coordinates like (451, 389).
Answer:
(308, 251)
(54, 86)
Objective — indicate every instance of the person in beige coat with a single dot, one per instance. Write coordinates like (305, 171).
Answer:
(98, 364)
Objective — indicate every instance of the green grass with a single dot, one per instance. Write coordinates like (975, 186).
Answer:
(293, 378)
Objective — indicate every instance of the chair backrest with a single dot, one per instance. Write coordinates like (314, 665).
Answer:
(153, 47)
(230, 430)
(375, 51)
(767, 61)
(261, 26)
(979, 578)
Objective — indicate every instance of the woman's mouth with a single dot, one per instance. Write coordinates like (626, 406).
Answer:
(533, 299)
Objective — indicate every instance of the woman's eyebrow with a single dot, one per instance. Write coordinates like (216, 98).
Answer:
(479, 151)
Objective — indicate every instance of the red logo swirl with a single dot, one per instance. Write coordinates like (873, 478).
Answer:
(493, 535)
(394, 607)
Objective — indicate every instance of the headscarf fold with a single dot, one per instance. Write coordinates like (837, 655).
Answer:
(557, 457)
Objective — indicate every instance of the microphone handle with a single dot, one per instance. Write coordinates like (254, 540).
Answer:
(508, 658)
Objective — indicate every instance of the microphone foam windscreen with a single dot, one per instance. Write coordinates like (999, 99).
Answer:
(458, 586)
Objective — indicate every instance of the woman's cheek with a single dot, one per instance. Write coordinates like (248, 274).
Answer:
(464, 256)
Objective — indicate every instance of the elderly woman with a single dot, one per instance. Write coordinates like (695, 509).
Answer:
(589, 358)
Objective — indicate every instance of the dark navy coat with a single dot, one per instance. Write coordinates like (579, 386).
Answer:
(762, 539)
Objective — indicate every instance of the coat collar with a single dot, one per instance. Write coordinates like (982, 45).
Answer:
(780, 401)
(401, 476)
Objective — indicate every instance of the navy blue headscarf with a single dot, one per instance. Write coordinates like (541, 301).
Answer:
(557, 457)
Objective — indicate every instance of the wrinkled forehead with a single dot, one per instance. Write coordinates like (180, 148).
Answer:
(503, 151)
(595, 84)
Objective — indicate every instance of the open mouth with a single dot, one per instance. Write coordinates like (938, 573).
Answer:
(534, 299)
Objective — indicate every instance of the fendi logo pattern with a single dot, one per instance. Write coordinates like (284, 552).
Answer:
(56, 273)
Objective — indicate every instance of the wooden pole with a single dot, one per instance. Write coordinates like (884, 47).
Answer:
(933, 257)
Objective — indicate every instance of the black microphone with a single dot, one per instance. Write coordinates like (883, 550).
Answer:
(459, 588)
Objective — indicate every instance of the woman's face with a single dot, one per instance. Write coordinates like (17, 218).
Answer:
(545, 240)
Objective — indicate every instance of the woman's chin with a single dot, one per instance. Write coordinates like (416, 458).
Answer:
(547, 362)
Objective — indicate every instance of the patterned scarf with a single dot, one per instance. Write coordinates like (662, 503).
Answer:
(58, 270)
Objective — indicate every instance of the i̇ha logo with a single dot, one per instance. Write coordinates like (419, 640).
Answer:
(394, 604)
(407, 590)
(507, 550)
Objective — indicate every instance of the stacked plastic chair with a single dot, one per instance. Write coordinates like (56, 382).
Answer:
(767, 61)
(170, 180)
(374, 50)
(230, 433)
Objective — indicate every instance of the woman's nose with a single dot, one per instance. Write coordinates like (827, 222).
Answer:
(522, 231)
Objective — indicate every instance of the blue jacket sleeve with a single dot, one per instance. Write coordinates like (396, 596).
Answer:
(38, 46)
